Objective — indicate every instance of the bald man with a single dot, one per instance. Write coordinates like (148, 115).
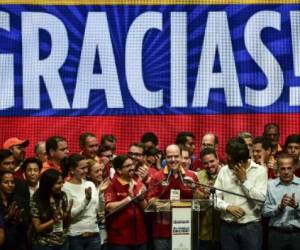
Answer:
(175, 176)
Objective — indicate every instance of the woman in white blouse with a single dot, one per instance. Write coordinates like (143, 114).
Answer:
(95, 175)
(83, 231)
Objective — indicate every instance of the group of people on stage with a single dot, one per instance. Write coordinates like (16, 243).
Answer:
(96, 200)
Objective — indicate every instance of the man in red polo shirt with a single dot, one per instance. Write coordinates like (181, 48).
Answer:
(125, 223)
(175, 176)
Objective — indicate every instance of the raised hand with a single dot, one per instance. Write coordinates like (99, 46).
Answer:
(104, 184)
(293, 203)
(131, 188)
(240, 172)
(142, 172)
(18, 215)
(12, 211)
(285, 201)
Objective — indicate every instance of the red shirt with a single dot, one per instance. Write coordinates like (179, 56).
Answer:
(19, 173)
(272, 173)
(151, 172)
(162, 223)
(126, 227)
(50, 165)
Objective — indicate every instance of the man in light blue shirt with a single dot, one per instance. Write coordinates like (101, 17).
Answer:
(282, 206)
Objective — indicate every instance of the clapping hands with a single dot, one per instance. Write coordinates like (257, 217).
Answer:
(288, 201)
(14, 213)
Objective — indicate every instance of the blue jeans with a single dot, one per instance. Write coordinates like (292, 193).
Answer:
(65, 246)
(104, 246)
(162, 244)
(131, 247)
(209, 245)
(281, 241)
(85, 243)
(241, 236)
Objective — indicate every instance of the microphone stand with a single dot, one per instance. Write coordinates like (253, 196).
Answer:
(213, 222)
(213, 190)
(134, 199)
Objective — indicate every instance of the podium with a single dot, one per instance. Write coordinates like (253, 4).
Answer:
(184, 219)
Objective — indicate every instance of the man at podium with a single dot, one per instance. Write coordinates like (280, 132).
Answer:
(170, 183)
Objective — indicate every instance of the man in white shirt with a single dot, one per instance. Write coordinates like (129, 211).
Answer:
(241, 227)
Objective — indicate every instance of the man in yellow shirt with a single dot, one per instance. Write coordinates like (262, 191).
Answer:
(209, 219)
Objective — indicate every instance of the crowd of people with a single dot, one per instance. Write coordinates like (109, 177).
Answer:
(96, 200)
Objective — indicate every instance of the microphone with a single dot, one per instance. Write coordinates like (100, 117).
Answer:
(166, 182)
(188, 181)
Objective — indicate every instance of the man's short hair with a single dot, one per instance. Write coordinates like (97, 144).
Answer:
(293, 138)
(271, 125)
(29, 161)
(138, 145)
(265, 142)
(52, 143)
(4, 153)
(185, 148)
(110, 138)
(37, 147)
(181, 137)
(149, 136)
(151, 151)
(104, 148)
(284, 155)
(208, 151)
(237, 149)
(245, 135)
(83, 137)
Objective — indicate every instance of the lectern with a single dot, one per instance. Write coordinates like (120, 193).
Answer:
(184, 220)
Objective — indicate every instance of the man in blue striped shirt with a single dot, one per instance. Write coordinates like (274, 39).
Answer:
(282, 206)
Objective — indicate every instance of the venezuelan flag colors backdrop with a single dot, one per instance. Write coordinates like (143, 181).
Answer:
(129, 67)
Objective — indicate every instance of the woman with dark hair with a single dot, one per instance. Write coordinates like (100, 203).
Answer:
(125, 203)
(83, 232)
(15, 213)
(50, 213)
